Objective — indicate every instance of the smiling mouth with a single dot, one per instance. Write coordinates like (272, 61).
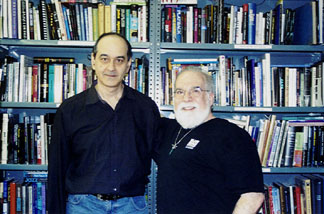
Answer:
(188, 108)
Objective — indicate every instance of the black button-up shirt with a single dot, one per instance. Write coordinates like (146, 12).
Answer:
(96, 149)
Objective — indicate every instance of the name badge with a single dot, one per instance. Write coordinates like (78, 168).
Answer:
(192, 144)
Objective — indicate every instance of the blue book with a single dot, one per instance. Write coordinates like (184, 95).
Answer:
(316, 192)
(68, 33)
(14, 17)
(277, 29)
(178, 24)
(251, 23)
(303, 27)
(78, 19)
(251, 71)
(51, 83)
(82, 22)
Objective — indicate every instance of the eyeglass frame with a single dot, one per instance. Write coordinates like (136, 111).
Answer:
(191, 92)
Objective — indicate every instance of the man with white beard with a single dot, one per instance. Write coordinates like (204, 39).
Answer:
(205, 164)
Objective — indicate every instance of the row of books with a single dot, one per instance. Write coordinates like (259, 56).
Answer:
(256, 83)
(289, 142)
(26, 196)
(26, 81)
(305, 195)
(25, 139)
(42, 79)
(21, 19)
(243, 24)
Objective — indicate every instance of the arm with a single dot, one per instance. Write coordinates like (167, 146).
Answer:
(249, 203)
(57, 165)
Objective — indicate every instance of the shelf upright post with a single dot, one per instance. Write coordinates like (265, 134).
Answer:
(154, 84)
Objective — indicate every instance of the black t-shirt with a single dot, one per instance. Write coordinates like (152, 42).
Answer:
(208, 171)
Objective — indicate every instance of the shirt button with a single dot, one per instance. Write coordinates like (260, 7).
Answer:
(115, 189)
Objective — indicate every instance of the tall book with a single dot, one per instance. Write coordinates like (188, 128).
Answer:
(305, 24)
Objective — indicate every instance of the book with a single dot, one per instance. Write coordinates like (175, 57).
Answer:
(304, 28)
(305, 184)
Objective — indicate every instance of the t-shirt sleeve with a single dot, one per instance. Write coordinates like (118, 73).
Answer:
(243, 169)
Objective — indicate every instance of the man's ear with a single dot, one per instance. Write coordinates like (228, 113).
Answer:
(92, 61)
(129, 65)
(211, 97)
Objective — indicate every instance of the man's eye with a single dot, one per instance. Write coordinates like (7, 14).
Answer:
(196, 90)
(104, 59)
(119, 61)
(179, 92)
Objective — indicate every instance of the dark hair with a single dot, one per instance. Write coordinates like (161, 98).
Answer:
(129, 47)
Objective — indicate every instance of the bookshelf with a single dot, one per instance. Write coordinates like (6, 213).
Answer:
(157, 52)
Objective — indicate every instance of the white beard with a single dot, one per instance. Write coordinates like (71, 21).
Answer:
(191, 119)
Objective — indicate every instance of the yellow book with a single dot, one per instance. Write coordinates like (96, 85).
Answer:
(268, 140)
(107, 19)
(101, 18)
(95, 23)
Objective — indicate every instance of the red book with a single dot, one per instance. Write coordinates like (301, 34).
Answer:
(13, 198)
(297, 199)
(35, 83)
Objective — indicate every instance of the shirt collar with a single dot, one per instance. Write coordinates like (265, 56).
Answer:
(93, 96)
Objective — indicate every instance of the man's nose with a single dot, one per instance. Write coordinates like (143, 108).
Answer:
(187, 96)
(110, 65)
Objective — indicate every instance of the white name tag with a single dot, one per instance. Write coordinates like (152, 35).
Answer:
(192, 144)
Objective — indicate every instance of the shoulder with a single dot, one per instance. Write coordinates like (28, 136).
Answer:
(140, 99)
(74, 102)
(223, 129)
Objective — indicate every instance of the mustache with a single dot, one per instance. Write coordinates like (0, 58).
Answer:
(185, 105)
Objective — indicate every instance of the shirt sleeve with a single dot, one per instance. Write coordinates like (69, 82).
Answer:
(243, 168)
(57, 166)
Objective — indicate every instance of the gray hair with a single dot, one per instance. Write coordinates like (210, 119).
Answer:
(208, 78)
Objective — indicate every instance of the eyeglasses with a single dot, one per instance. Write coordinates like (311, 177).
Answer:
(194, 92)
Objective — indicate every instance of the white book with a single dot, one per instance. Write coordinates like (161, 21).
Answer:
(4, 138)
(29, 81)
(58, 8)
(190, 24)
(238, 30)
(5, 33)
(291, 197)
(257, 71)
(24, 198)
(19, 19)
(292, 90)
(25, 61)
(274, 146)
(1, 19)
(79, 78)
(27, 19)
(320, 21)
(113, 17)
(35, 24)
(280, 140)
(10, 73)
(30, 199)
(58, 83)
(140, 24)
(37, 19)
(15, 91)
(89, 24)
(222, 73)
(144, 23)
(263, 21)
(266, 80)
(71, 81)
(10, 19)
(232, 28)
